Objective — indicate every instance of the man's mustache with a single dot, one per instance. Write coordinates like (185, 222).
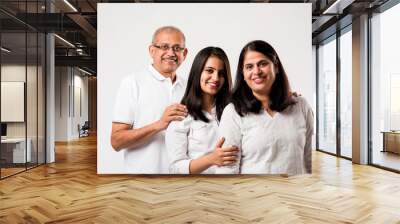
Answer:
(170, 58)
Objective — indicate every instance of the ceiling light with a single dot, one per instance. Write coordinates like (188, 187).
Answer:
(65, 41)
(337, 7)
(70, 5)
(79, 51)
(5, 50)
(84, 71)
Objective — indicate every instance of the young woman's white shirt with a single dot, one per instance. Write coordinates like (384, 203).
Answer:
(190, 139)
(270, 145)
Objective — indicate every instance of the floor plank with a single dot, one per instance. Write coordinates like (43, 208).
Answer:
(70, 191)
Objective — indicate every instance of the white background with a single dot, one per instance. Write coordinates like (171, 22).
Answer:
(125, 32)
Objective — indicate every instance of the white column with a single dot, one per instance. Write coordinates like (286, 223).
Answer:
(50, 100)
(360, 90)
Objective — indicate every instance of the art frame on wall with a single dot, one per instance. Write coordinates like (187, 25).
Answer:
(240, 23)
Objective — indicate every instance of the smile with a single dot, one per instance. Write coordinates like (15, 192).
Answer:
(213, 84)
(170, 60)
(258, 80)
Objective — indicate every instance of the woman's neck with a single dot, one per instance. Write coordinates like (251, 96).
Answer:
(263, 98)
(208, 102)
(265, 101)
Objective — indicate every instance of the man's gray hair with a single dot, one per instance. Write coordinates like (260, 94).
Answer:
(167, 29)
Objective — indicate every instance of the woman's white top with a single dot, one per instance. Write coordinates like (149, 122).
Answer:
(190, 139)
(279, 144)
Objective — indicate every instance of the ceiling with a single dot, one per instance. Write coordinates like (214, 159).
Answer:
(76, 22)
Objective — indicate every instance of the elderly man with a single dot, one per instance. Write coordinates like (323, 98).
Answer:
(147, 102)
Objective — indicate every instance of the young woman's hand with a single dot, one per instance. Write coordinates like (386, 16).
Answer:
(224, 156)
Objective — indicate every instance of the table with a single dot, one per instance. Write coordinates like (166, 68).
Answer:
(391, 141)
(13, 150)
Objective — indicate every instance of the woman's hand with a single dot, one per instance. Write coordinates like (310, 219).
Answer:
(219, 157)
(224, 156)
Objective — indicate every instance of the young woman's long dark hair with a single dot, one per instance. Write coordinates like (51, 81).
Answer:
(193, 94)
(280, 96)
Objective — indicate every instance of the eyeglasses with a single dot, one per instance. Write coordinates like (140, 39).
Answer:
(166, 47)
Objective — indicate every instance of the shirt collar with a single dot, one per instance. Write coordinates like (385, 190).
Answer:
(157, 75)
(211, 115)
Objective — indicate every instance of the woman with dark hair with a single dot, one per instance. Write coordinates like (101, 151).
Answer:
(272, 128)
(192, 144)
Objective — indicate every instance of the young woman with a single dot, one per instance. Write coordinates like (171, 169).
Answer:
(193, 145)
(272, 129)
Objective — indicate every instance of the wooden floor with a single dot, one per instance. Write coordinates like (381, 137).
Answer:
(5, 172)
(387, 159)
(70, 191)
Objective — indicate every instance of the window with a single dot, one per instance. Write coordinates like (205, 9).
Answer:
(327, 96)
(335, 74)
(385, 89)
(346, 93)
(22, 77)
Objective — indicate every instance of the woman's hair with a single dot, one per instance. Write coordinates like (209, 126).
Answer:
(193, 94)
(280, 96)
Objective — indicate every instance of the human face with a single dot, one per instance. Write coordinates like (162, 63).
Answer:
(167, 61)
(259, 72)
(212, 77)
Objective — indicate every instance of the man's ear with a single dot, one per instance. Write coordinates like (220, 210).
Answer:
(185, 53)
(151, 50)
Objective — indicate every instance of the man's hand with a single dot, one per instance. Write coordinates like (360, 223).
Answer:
(224, 156)
(175, 112)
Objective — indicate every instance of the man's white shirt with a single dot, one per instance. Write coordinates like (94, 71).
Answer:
(141, 100)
